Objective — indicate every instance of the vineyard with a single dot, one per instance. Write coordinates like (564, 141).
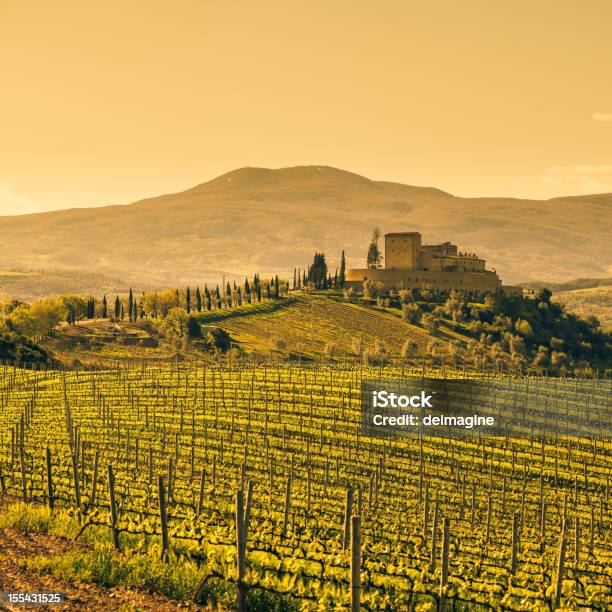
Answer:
(306, 323)
(263, 476)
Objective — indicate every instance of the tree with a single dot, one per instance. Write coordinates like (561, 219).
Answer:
(524, 328)
(207, 296)
(454, 307)
(198, 297)
(357, 346)
(130, 304)
(104, 312)
(176, 321)
(430, 322)
(409, 348)
(217, 338)
(247, 291)
(117, 307)
(373, 289)
(194, 329)
(188, 300)
(374, 256)
(342, 275)
(411, 313)
(276, 290)
(37, 320)
(545, 295)
(317, 273)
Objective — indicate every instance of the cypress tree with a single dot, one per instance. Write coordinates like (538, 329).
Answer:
(188, 300)
(294, 278)
(130, 304)
(104, 312)
(117, 307)
(247, 291)
(342, 276)
(303, 278)
(239, 296)
(207, 297)
(258, 292)
(276, 292)
(317, 273)
(336, 279)
(198, 300)
(122, 312)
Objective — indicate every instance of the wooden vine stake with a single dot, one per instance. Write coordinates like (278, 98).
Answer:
(444, 563)
(355, 563)
(560, 567)
(201, 493)
(515, 542)
(241, 550)
(434, 536)
(287, 506)
(163, 514)
(113, 506)
(50, 497)
(94, 482)
(348, 511)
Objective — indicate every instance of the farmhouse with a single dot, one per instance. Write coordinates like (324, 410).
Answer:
(409, 264)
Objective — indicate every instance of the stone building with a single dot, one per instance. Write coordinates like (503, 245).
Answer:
(409, 264)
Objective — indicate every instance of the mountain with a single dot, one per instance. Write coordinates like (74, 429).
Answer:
(270, 221)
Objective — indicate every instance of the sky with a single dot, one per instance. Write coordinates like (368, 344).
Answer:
(109, 102)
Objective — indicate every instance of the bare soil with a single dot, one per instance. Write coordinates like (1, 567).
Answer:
(14, 576)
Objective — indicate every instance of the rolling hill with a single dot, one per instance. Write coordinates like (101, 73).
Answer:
(269, 221)
(595, 301)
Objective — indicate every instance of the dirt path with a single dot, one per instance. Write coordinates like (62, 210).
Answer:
(15, 547)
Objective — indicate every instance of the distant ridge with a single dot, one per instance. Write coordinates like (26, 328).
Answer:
(272, 220)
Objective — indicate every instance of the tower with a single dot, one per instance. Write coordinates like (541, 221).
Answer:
(402, 250)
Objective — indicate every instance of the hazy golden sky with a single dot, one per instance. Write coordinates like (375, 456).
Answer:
(106, 102)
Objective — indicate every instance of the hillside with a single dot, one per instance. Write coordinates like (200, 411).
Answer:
(32, 285)
(307, 324)
(596, 301)
(578, 283)
(270, 221)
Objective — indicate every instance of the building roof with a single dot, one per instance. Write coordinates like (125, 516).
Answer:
(403, 234)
